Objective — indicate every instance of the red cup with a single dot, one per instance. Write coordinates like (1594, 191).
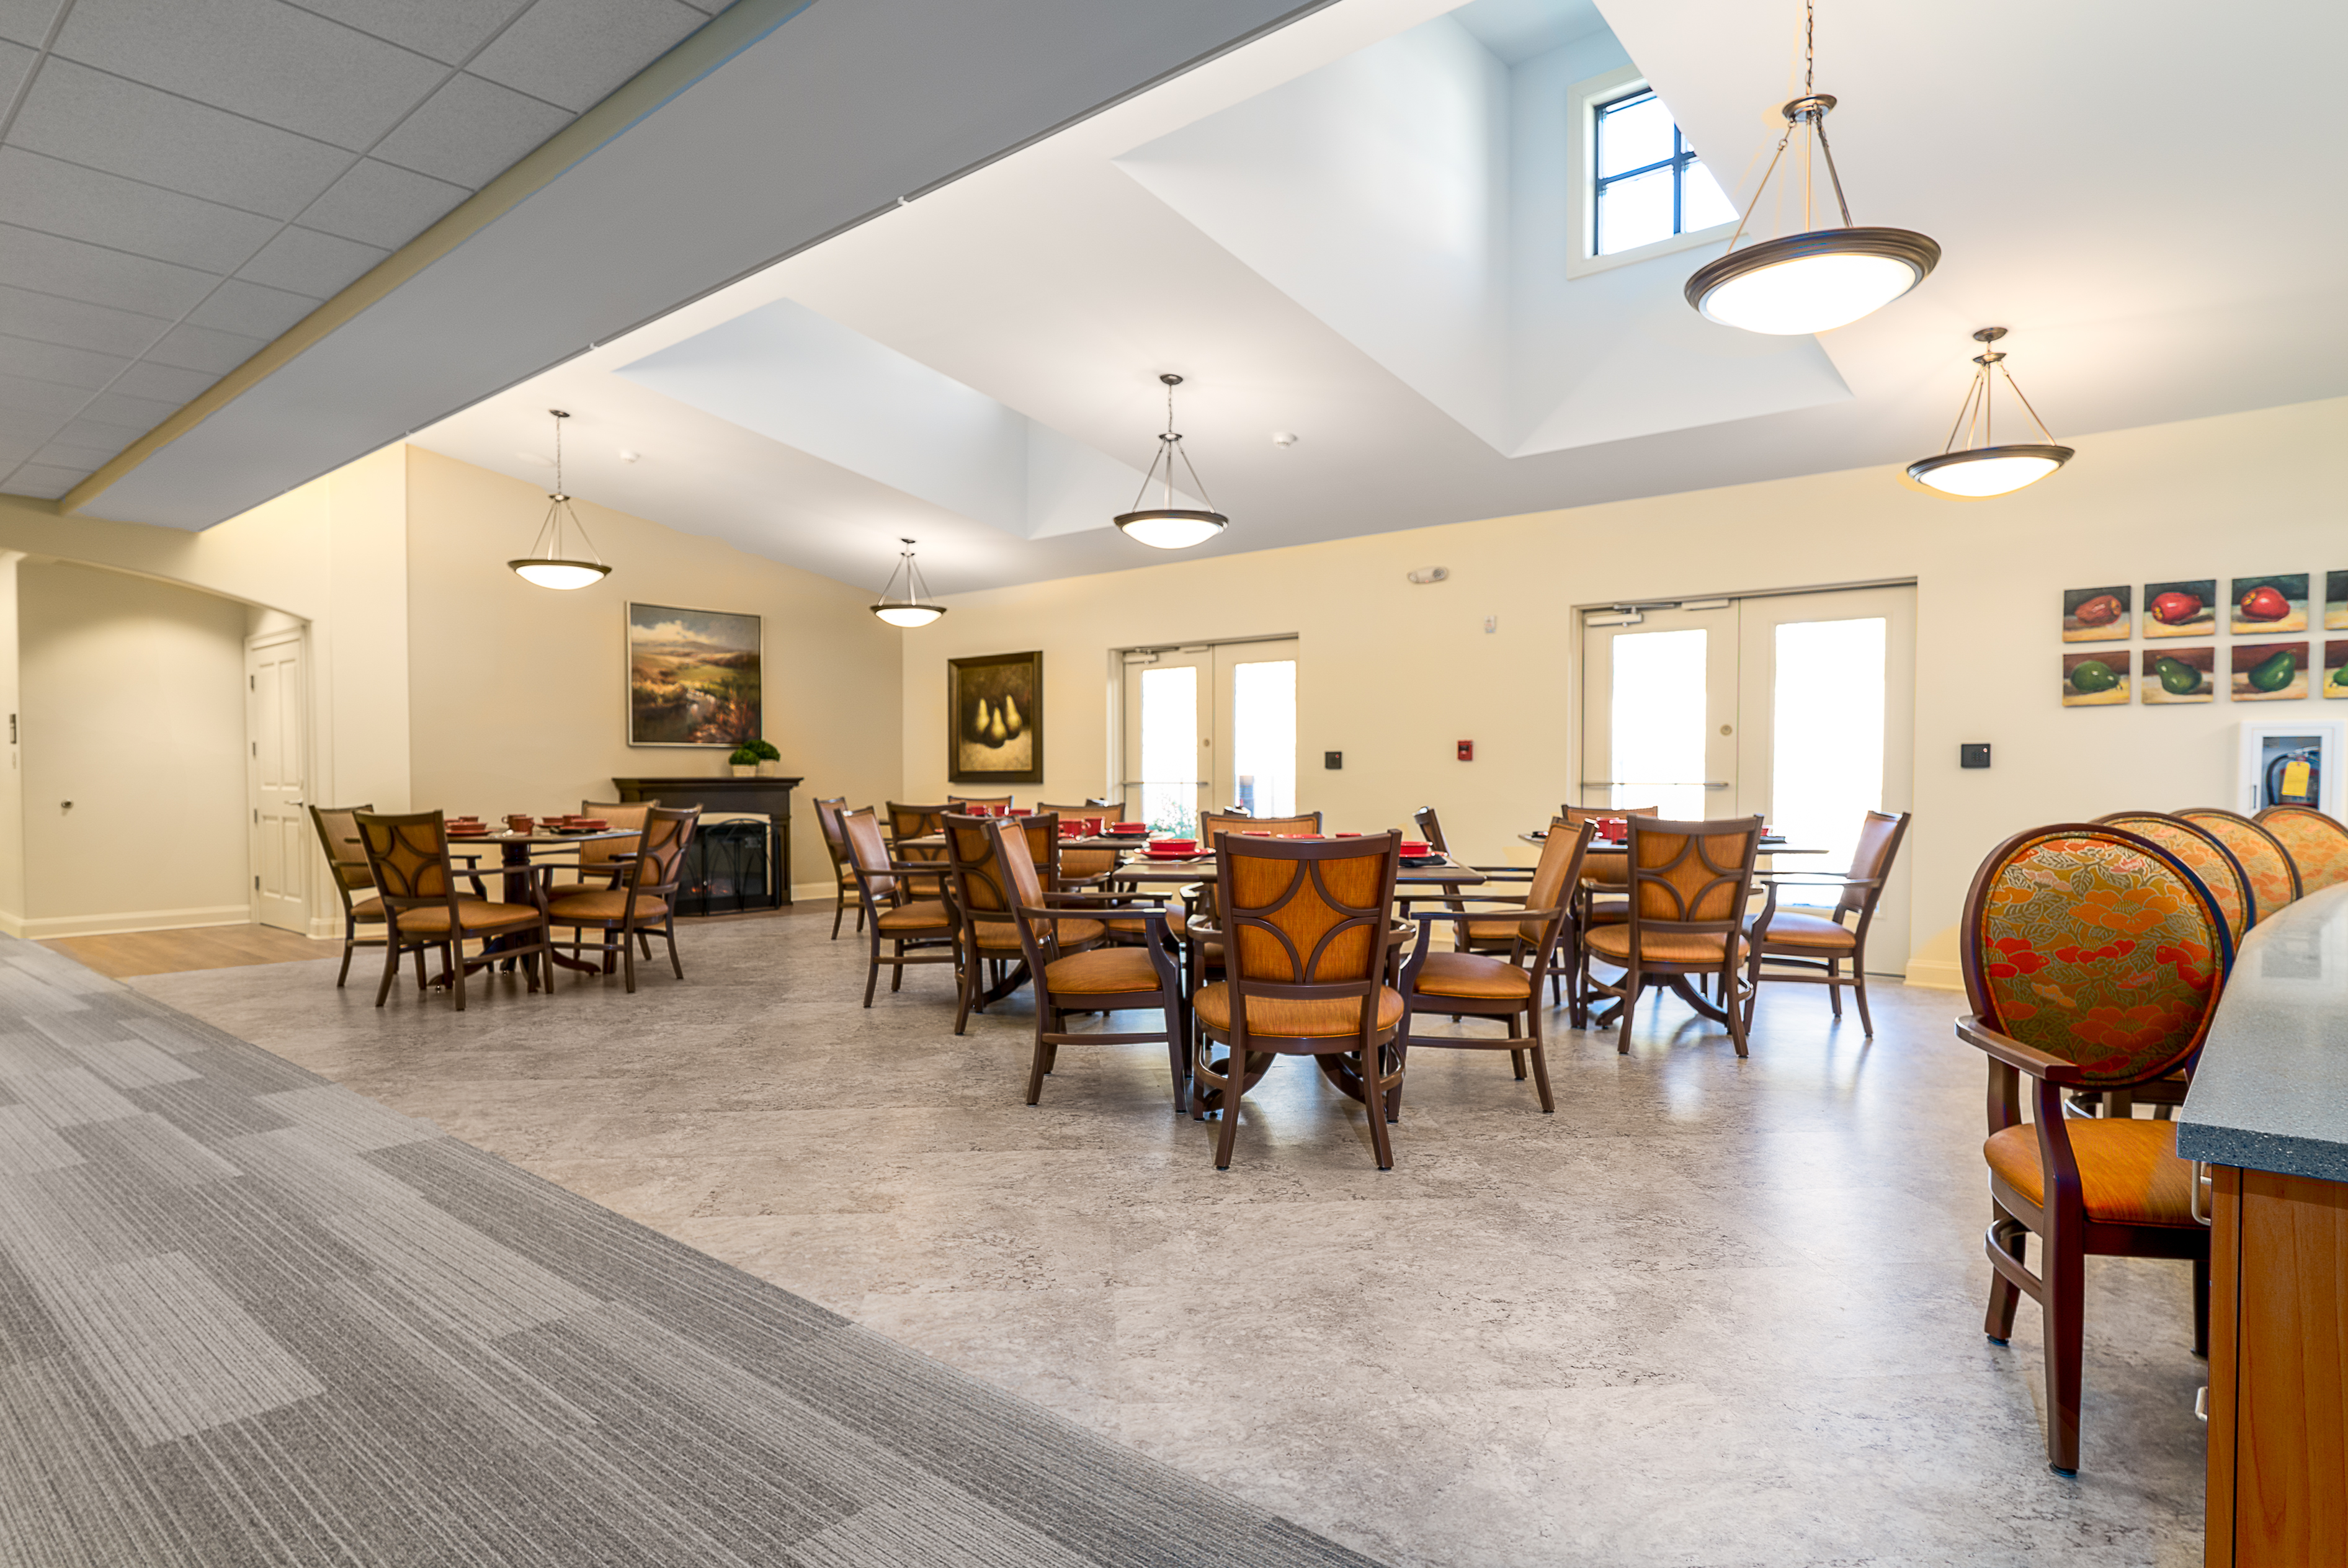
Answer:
(520, 823)
(1417, 849)
(1017, 811)
(1349, 835)
(1091, 826)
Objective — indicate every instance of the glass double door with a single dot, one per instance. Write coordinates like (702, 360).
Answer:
(1208, 727)
(1797, 708)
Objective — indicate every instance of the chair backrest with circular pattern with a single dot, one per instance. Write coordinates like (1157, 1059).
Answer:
(2274, 880)
(2097, 946)
(2205, 854)
(2317, 844)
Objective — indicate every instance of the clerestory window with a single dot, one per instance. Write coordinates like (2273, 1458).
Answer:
(1648, 183)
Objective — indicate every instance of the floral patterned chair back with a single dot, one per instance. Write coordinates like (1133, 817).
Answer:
(2274, 880)
(2318, 846)
(2205, 854)
(2097, 946)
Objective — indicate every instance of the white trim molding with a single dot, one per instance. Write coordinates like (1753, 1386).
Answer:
(1583, 100)
(133, 920)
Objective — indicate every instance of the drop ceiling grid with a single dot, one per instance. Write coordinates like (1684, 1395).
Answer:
(182, 180)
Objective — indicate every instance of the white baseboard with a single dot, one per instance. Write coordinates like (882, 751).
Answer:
(812, 893)
(135, 920)
(11, 925)
(1936, 974)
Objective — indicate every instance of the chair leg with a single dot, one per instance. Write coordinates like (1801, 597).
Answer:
(872, 973)
(1834, 985)
(1731, 1006)
(1630, 983)
(1375, 1102)
(1037, 1064)
(2004, 1296)
(1232, 1089)
(839, 908)
(1538, 1051)
(669, 933)
(2065, 1274)
(457, 974)
(2201, 1308)
(966, 977)
(628, 960)
(1177, 1054)
(390, 966)
(897, 975)
(1858, 989)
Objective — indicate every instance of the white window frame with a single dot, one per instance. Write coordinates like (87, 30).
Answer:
(1582, 101)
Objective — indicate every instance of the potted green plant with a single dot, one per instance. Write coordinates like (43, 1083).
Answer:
(745, 759)
(770, 761)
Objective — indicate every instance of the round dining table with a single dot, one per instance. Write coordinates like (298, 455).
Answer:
(514, 859)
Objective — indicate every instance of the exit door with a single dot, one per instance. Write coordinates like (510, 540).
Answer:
(1207, 727)
(276, 750)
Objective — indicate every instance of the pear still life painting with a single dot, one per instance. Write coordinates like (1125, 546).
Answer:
(994, 717)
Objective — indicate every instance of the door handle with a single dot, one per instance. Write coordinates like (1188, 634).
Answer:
(2204, 1200)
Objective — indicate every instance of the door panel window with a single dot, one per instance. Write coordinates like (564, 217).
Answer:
(1263, 736)
(1170, 749)
(1826, 771)
(1659, 721)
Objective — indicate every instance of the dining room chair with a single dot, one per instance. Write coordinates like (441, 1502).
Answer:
(1000, 802)
(2274, 880)
(1204, 955)
(2093, 960)
(1475, 985)
(1091, 978)
(826, 819)
(407, 857)
(918, 930)
(1306, 931)
(910, 822)
(992, 943)
(1484, 930)
(2316, 843)
(1810, 945)
(338, 835)
(1689, 883)
(638, 899)
(1079, 867)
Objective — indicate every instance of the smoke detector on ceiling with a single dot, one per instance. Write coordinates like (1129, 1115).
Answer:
(1283, 438)
(1427, 574)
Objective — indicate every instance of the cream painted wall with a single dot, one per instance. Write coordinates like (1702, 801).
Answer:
(132, 696)
(520, 693)
(12, 779)
(1393, 674)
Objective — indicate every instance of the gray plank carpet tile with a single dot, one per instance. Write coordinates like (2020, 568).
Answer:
(250, 1317)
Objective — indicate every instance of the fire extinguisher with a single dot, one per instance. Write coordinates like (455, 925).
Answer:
(2296, 777)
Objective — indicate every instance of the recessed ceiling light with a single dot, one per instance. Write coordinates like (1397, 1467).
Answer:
(627, 456)
(1283, 438)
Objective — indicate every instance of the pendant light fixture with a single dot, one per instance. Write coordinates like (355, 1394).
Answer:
(1821, 278)
(1975, 471)
(1169, 526)
(912, 609)
(547, 565)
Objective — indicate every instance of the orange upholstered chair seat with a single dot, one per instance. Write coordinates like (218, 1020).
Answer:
(1102, 972)
(921, 915)
(1472, 975)
(1613, 943)
(1178, 924)
(2128, 1170)
(472, 913)
(1791, 928)
(1003, 935)
(606, 904)
(1282, 1019)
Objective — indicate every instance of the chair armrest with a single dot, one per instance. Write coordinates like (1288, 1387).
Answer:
(1508, 873)
(2005, 1048)
(1514, 912)
(1111, 899)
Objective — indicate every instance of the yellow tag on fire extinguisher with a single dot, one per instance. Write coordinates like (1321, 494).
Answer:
(2294, 780)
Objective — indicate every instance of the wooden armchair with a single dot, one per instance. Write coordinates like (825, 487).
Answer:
(919, 930)
(1206, 953)
(2274, 880)
(1485, 930)
(2316, 846)
(338, 835)
(639, 901)
(2094, 960)
(907, 822)
(991, 937)
(1688, 887)
(407, 856)
(1810, 949)
(843, 875)
(1082, 867)
(1306, 936)
(1089, 978)
(1476, 985)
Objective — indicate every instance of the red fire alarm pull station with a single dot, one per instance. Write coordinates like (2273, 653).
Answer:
(1466, 751)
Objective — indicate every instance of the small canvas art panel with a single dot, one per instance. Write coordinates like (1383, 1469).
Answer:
(693, 676)
(2270, 604)
(2187, 607)
(2095, 679)
(994, 718)
(2269, 672)
(2178, 674)
(2095, 614)
(2335, 602)
(2335, 668)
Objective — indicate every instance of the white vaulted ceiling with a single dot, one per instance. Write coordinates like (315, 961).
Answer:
(182, 180)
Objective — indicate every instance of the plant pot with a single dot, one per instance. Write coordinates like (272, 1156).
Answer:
(771, 770)
(745, 769)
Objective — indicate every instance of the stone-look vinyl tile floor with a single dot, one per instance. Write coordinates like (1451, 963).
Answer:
(1713, 1312)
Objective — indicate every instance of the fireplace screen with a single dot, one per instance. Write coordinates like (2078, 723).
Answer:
(729, 866)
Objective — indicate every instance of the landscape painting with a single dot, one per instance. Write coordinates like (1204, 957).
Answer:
(693, 676)
(994, 718)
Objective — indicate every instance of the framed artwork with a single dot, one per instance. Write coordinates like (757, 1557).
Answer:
(2335, 602)
(2269, 672)
(2270, 604)
(693, 676)
(2095, 614)
(2095, 679)
(2183, 609)
(2177, 675)
(2336, 669)
(994, 718)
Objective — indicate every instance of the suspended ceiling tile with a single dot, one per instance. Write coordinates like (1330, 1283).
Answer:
(48, 318)
(28, 21)
(47, 483)
(27, 398)
(118, 408)
(96, 433)
(261, 58)
(32, 259)
(378, 203)
(89, 117)
(13, 449)
(304, 261)
(447, 30)
(193, 347)
(57, 363)
(168, 382)
(15, 61)
(28, 431)
(250, 310)
(66, 199)
(574, 52)
(471, 132)
(63, 454)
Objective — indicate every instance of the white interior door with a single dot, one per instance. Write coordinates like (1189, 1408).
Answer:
(1659, 710)
(275, 775)
(1169, 731)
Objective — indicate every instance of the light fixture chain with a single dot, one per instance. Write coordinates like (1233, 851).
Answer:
(2015, 387)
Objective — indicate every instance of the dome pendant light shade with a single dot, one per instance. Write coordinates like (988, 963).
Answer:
(912, 610)
(1169, 526)
(1974, 473)
(1822, 278)
(547, 565)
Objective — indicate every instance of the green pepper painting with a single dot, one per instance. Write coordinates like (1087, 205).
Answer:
(2335, 603)
(2095, 679)
(2336, 669)
(2176, 675)
(2269, 672)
